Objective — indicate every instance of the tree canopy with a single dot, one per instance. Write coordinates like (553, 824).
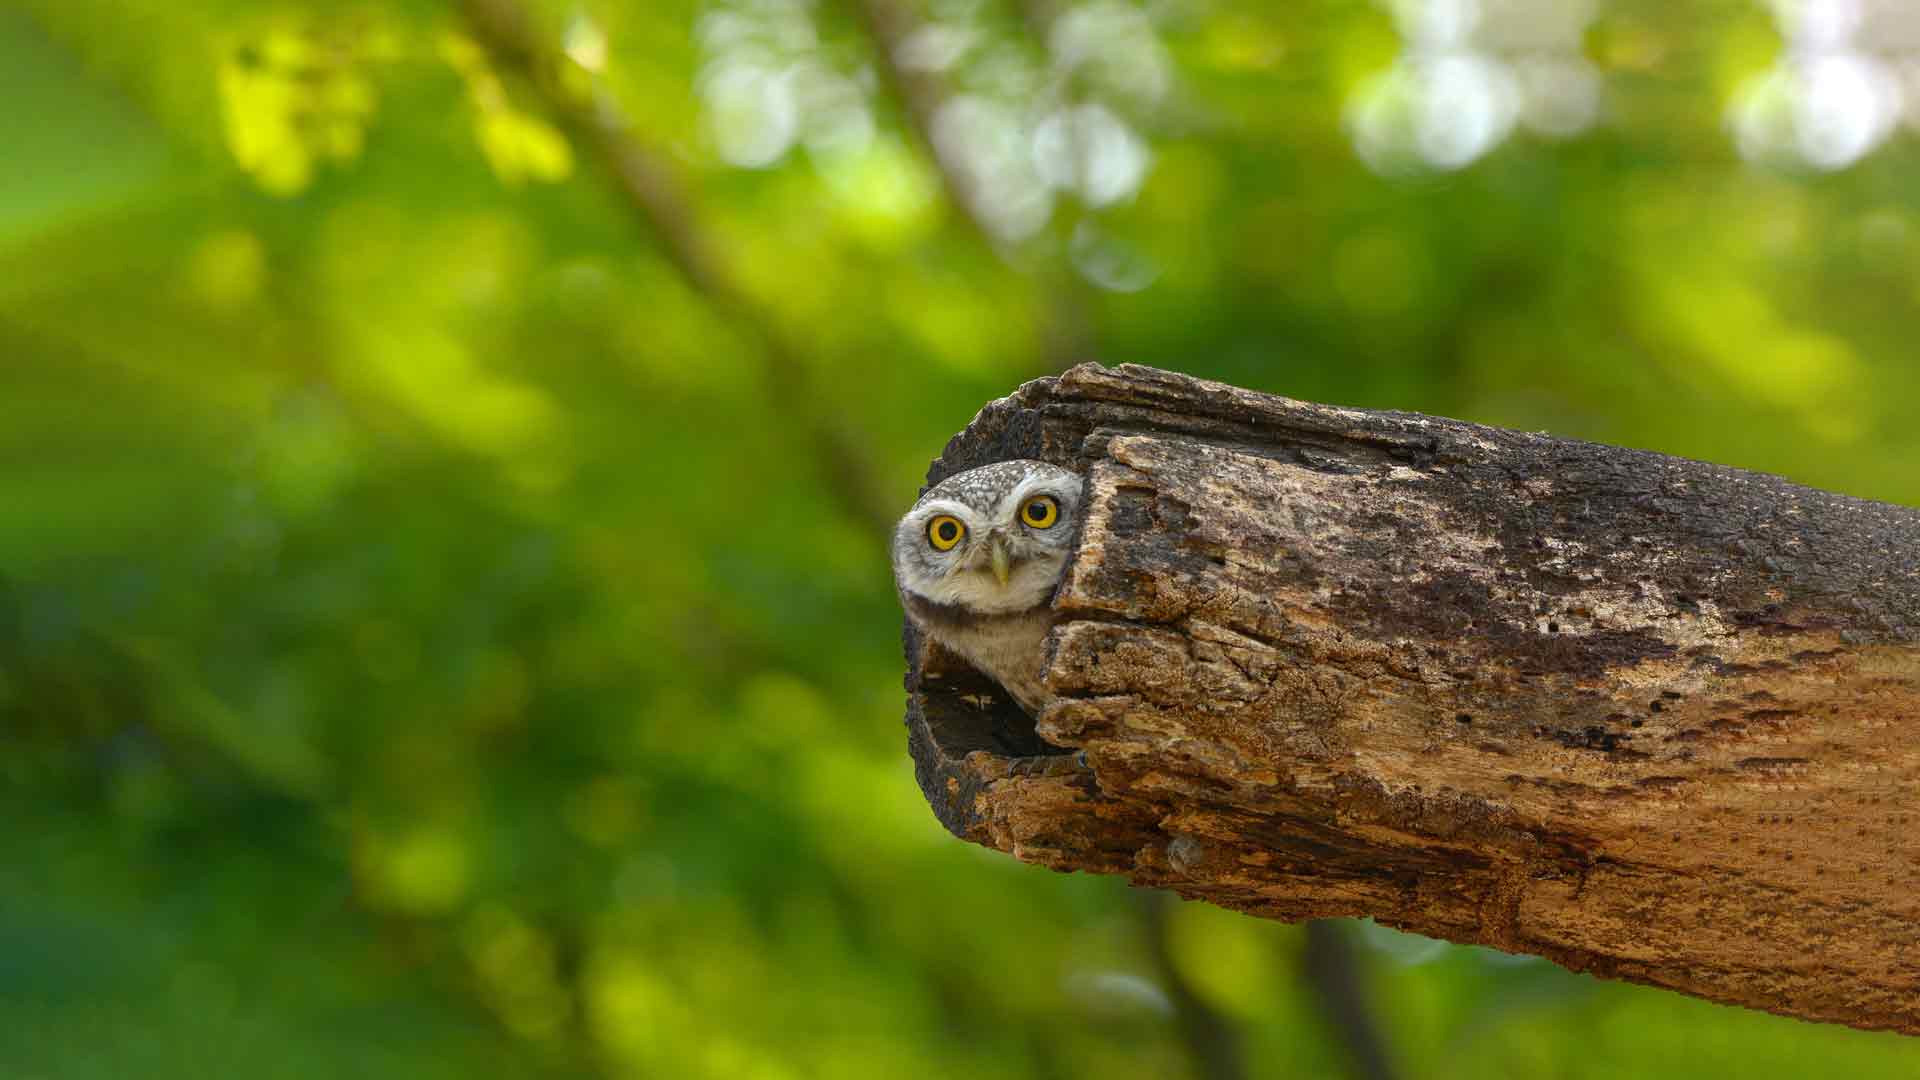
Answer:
(444, 615)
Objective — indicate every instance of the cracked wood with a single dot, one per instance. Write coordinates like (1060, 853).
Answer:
(1647, 717)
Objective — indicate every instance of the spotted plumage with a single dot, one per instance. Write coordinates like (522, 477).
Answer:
(977, 560)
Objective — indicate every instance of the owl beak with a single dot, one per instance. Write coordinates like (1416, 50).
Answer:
(1002, 563)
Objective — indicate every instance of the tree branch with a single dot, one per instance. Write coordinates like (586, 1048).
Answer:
(922, 94)
(647, 182)
(1642, 716)
(1212, 1039)
(1064, 334)
(1332, 973)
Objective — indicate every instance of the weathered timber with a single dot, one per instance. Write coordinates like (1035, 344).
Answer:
(1650, 718)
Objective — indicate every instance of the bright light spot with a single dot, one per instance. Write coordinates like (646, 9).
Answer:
(1118, 45)
(1819, 25)
(768, 85)
(1835, 95)
(586, 43)
(1468, 106)
(1010, 132)
(1005, 72)
(1472, 71)
(720, 31)
(1437, 23)
(1828, 112)
(1560, 95)
(751, 112)
(790, 25)
(520, 146)
(986, 139)
(836, 119)
(1117, 992)
(1088, 150)
(935, 47)
(1109, 263)
(287, 107)
(1442, 114)
(1850, 104)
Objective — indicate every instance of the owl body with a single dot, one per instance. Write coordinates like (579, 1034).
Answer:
(977, 561)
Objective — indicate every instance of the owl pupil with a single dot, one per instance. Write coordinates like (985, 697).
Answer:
(946, 530)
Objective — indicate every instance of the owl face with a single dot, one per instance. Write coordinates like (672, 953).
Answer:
(992, 540)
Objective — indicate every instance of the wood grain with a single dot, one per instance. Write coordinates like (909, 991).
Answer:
(1647, 717)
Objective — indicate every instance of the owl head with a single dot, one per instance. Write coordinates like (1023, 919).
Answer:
(992, 540)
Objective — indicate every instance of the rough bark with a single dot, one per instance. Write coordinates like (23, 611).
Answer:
(1647, 717)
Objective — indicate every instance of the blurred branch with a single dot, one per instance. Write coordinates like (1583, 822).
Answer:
(1039, 16)
(1332, 974)
(922, 93)
(1212, 1039)
(647, 181)
(1064, 337)
(1068, 336)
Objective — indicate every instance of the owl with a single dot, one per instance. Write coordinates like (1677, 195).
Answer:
(977, 560)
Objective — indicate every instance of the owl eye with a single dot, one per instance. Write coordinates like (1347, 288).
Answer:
(1041, 511)
(944, 532)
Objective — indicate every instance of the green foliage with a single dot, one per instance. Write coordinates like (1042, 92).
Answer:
(433, 643)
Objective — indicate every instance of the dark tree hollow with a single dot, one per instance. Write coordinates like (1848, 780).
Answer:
(1647, 717)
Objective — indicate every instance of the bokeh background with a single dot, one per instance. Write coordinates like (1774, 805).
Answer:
(446, 451)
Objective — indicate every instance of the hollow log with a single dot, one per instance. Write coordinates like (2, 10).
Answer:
(1650, 718)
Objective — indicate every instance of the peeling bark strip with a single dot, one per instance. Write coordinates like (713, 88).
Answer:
(1650, 718)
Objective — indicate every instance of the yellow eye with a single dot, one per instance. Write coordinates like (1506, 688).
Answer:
(944, 532)
(1040, 511)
